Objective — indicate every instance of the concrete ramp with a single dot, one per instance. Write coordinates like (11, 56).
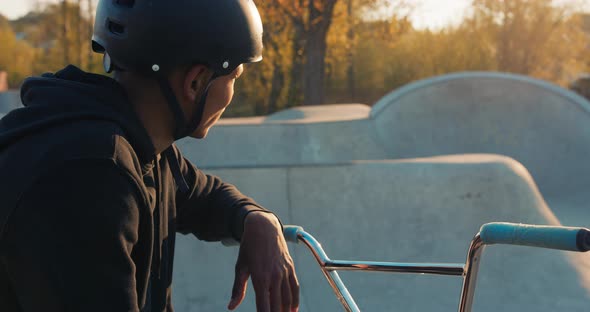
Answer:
(321, 113)
(420, 210)
(303, 135)
(545, 127)
(303, 165)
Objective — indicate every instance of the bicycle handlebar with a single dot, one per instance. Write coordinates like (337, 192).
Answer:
(553, 237)
(290, 233)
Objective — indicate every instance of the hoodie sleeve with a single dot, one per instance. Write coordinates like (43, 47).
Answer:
(72, 237)
(212, 210)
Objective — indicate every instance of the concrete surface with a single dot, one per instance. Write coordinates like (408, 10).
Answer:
(419, 210)
(277, 140)
(9, 100)
(545, 127)
(542, 126)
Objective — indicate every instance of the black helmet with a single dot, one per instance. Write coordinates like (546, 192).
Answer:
(156, 36)
(159, 35)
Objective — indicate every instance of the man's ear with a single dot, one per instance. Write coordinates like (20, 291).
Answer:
(195, 81)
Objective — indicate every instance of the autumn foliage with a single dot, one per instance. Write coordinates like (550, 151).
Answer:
(339, 51)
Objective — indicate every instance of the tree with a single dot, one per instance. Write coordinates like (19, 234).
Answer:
(532, 37)
(65, 31)
(60, 40)
(353, 75)
(16, 56)
(90, 27)
(311, 21)
(350, 36)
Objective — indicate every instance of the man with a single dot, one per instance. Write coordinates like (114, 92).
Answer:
(93, 189)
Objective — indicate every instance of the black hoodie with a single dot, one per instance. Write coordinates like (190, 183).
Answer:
(88, 212)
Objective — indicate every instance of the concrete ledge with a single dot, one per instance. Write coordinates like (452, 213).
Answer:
(272, 144)
(322, 113)
(539, 124)
(417, 86)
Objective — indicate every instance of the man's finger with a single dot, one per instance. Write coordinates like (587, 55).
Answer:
(240, 285)
(275, 297)
(294, 287)
(262, 296)
(286, 296)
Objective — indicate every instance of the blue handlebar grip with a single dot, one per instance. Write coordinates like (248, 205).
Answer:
(290, 233)
(553, 237)
(584, 240)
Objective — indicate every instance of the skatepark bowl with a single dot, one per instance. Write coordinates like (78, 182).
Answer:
(410, 179)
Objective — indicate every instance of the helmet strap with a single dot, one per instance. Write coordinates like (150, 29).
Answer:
(182, 128)
(198, 115)
(179, 118)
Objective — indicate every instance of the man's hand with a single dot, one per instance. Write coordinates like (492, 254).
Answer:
(264, 256)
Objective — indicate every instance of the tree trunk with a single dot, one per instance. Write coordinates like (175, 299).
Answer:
(278, 77)
(320, 19)
(314, 68)
(295, 96)
(350, 71)
(278, 83)
(79, 34)
(505, 60)
(65, 47)
(90, 13)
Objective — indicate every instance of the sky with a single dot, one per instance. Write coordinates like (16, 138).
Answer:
(427, 13)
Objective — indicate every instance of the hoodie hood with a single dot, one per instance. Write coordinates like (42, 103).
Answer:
(72, 95)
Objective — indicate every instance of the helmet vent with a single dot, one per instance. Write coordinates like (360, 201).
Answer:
(116, 28)
(125, 3)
